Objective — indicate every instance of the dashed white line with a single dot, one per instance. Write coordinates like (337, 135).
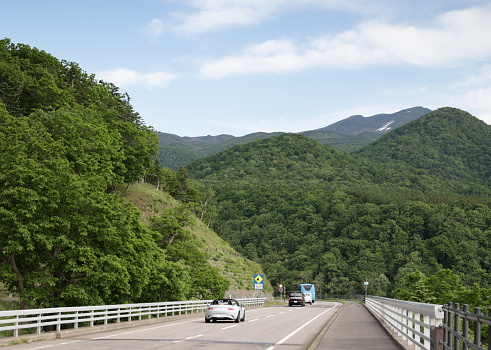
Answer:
(235, 325)
(194, 336)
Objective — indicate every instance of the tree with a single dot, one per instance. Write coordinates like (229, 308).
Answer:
(414, 288)
(171, 224)
(62, 241)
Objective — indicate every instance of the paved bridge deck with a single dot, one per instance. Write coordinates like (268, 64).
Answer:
(354, 327)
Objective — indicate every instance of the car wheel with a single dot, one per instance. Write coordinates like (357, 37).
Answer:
(207, 320)
(237, 320)
(243, 317)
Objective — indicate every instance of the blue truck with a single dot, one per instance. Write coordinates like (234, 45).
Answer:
(309, 291)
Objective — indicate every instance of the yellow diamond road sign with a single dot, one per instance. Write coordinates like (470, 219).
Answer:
(258, 281)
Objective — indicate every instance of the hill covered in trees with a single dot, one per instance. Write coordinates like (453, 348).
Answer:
(448, 143)
(309, 213)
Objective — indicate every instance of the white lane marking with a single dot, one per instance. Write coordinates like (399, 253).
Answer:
(49, 346)
(146, 329)
(270, 316)
(298, 330)
(194, 336)
(256, 319)
(235, 325)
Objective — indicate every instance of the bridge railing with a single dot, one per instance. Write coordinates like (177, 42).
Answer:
(36, 320)
(462, 328)
(413, 321)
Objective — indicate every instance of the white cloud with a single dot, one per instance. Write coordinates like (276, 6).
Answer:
(470, 80)
(215, 14)
(218, 14)
(454, 38)
(154, 29)
(124, 77)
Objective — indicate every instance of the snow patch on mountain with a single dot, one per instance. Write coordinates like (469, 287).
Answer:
(385, 127)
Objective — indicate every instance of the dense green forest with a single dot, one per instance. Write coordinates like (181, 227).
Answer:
(67, 238)
(410, 214)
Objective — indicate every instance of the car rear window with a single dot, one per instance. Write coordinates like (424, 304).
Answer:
(296, 294)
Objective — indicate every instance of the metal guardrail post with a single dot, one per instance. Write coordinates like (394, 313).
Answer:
(16, 323)
(449, 337)
(477, 327)
(436, 336)
(465, 327)
(489, 329)
(456, 325)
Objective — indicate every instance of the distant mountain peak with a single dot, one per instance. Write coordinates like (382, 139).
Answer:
(379, 123)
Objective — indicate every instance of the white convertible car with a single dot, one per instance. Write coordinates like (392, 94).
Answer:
(225, 309)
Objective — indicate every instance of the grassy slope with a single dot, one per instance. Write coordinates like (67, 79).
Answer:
(237, 269)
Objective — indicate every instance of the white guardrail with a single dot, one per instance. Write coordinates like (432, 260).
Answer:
(413, 321)
(89, 316)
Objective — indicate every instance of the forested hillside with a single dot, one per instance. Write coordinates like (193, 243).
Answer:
(448, 143)
(308, 213)
(69, 145)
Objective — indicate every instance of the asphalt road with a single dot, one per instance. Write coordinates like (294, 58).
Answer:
(267, 328)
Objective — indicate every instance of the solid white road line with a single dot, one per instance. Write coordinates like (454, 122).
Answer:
(297, 330)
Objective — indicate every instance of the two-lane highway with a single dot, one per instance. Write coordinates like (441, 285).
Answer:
(268, 328)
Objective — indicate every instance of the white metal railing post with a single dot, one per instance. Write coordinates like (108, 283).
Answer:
(427, 330)
(75, 320)
(16, 323)
(39, 328)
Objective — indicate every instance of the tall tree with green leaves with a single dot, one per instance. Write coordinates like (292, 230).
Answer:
(63, 240)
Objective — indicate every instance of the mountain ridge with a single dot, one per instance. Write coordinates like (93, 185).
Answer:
(347, 135)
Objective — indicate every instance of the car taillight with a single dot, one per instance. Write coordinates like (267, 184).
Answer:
(230, 308)
(210, 308)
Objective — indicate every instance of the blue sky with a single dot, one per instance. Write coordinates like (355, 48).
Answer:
(210, 67)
